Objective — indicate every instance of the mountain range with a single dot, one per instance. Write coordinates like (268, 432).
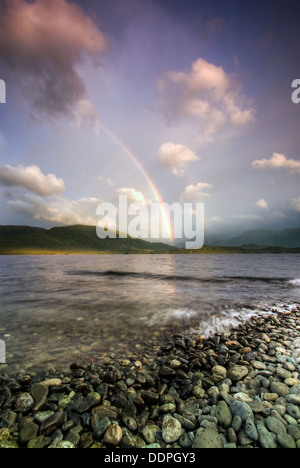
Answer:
(288, 238)
(84, 240)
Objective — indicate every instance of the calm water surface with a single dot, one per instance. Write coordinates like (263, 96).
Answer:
(56, 309)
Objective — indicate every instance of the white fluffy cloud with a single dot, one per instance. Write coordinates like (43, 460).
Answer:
(277, 161)
(175, 157)
(133, 195)
(57, 210)
(195, 193)
(206, 93)
(31, 178)
(262, 204)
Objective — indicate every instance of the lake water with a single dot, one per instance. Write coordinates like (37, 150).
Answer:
(57, 309)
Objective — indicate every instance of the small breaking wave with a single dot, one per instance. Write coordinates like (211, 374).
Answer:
(294, 283)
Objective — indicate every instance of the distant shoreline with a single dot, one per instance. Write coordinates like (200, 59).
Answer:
(206, 250)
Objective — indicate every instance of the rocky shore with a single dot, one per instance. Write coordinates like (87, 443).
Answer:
(232, 390)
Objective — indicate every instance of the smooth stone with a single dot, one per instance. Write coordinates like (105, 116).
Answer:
(236, 423)
(29, 431)
(274, 425)
(286, 441)
(283, 373)
(209, 438)
(52, 423)
(39, 391)
(39, 442)
(293, 411)
(237, 373)
(294, 399)
(113, 435)
(52, 382)
(251, 430)
(85, 404)
(171, 429)
(223, 414)
(24, 402)
(241, 409)
(280, 388)
(266, 439)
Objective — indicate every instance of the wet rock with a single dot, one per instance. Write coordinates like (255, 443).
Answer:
(52, 423)
(171, 429)
(223, 414)
(113, 435)
(209, 438)
(237, 373)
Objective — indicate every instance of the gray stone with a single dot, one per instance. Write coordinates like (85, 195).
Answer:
(294, 399)
(171, 429)
(236, 423)
(223, 414)
(241, 409)
(274, 425)
(251, 430)
(280, 388)
(209, 438)
(293, 410)
(266, 439)
(237, 373)
(286, 441)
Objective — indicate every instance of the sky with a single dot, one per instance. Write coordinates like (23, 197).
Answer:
(161, 100)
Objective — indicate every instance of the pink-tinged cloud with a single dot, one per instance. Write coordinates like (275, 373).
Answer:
(205, 93)
(41, 42)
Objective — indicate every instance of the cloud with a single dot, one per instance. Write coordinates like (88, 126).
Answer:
(133, 195)
(262, 204)
(205, 93)
(57, 210)
(106, 181)
(41, 43)
(195, 193)
(296, 204)
(31, 178)
(277, 161)
(175, 157)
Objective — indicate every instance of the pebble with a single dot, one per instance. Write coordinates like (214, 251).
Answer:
(237, 389)
(171, 429)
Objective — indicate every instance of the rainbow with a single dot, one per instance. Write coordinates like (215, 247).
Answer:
(152, 186)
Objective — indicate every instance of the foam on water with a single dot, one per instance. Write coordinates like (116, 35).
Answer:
(295, 282)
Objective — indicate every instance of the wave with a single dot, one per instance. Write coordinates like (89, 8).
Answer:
(294, 282)
(166, 277)
(220, 320)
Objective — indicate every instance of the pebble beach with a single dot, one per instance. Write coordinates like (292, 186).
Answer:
(236, 389)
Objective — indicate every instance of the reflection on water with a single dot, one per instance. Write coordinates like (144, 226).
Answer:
(63, 308)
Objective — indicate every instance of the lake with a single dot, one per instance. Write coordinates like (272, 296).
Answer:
(57, 309)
